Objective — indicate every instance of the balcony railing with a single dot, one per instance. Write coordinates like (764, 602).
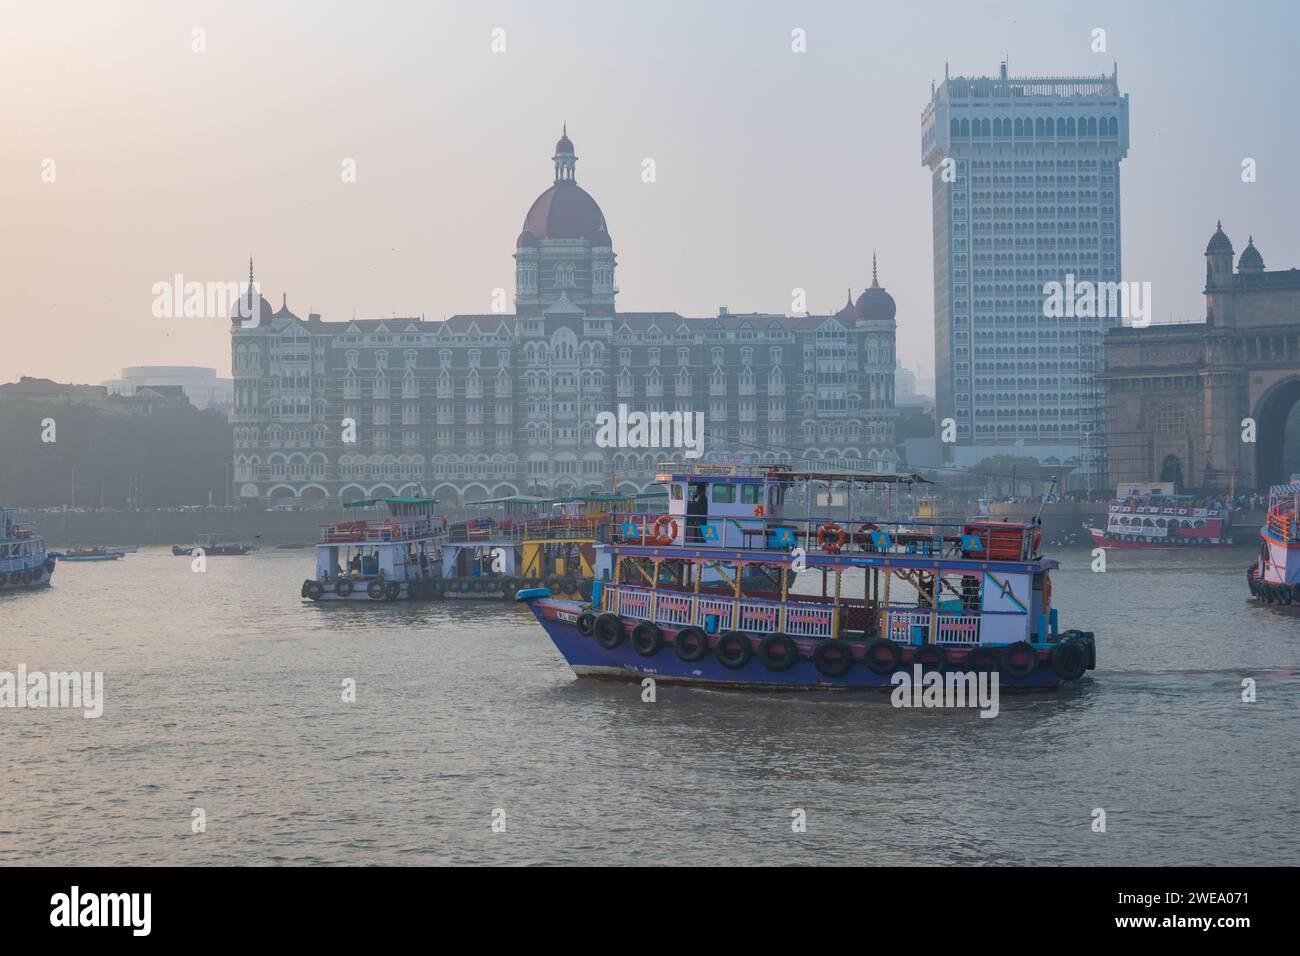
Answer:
(719, 613)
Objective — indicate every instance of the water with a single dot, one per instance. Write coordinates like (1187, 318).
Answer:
(224, 693)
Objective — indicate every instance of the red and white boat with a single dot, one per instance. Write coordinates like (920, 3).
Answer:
(1275, 577)
(1163, 521)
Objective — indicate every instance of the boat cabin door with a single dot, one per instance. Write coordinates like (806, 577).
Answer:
(697, 510)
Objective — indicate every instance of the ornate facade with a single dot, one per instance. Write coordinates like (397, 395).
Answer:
(492, 404)
(1206, 404)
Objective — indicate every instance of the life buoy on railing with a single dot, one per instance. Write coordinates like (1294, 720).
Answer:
(669, 533)
(862, 537)
(831, 537)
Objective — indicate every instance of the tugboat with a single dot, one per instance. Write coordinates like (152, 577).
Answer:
(530, 542)
(24, 563)
(380, 559)
(726, 588)
(211, 545)
(1162, 520)
(1275, 577)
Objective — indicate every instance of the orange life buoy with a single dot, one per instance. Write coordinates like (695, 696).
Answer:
(863, 536)
(758, 511)
(669, 533)
(831, 537)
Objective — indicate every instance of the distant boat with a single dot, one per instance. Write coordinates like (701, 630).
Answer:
(210, 545)
(24, 562)
(92, 554)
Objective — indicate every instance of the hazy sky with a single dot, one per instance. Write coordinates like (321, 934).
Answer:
(776, 170)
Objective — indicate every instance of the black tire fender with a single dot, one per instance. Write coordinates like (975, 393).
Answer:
(609, 631)
(778, 652)
(647, 640)
(882, 656)
(691, 644)
(734, 649)
(833, 658)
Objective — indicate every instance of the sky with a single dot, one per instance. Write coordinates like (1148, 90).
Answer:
(775, 170)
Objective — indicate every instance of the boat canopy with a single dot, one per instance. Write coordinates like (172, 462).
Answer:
(371, 502)
(687, 471)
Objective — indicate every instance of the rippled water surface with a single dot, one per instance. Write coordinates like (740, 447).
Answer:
(224, 693)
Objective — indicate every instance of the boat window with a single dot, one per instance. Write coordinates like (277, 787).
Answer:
(724, 494)
(751, 494)
(776, 495)
(676, 492)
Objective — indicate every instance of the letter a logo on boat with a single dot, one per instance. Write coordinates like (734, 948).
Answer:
(972, 542)
(880, 539)
(710, 532)
(630, 530)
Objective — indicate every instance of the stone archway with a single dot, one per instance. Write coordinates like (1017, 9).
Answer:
(1277, 434)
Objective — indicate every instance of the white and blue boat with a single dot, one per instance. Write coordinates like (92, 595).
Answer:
(730, 587)
(24, 563)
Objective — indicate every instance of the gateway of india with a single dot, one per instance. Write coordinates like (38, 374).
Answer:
(479, 406)
(1183, 402)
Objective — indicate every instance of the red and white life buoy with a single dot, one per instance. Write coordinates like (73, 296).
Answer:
(831, 537)
(664, 530)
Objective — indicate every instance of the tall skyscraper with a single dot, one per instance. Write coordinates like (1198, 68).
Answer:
(1025, 180)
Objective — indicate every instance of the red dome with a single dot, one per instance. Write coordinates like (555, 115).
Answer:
(564, 145)
(526, 239)
(566, 211)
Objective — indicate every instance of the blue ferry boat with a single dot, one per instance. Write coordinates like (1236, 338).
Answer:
(728, 587)
(24, 562)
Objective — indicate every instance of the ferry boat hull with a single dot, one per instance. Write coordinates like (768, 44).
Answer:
(28, 579)
(1101, 540)
(1274, 577)
(588, 658)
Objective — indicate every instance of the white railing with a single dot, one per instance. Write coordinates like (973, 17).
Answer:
(722, 607)
(751, 615)
(898, 626)
(950, 628)
(673, 608)
(808, 620)
(633, 602)
(760, 617)
(958, 629)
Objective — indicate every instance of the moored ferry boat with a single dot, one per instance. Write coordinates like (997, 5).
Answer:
(727, 588)
(1158, 520)
(1274, 577)
(523, 541)
(380, 559)
(24, 562)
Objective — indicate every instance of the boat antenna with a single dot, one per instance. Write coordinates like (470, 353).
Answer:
(1038, 518)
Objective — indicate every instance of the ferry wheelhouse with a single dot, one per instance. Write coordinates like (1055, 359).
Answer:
(1162, 521)
(1274, 577)
(24, 562)
(729, 586)
(522, 541)
(380, 559)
